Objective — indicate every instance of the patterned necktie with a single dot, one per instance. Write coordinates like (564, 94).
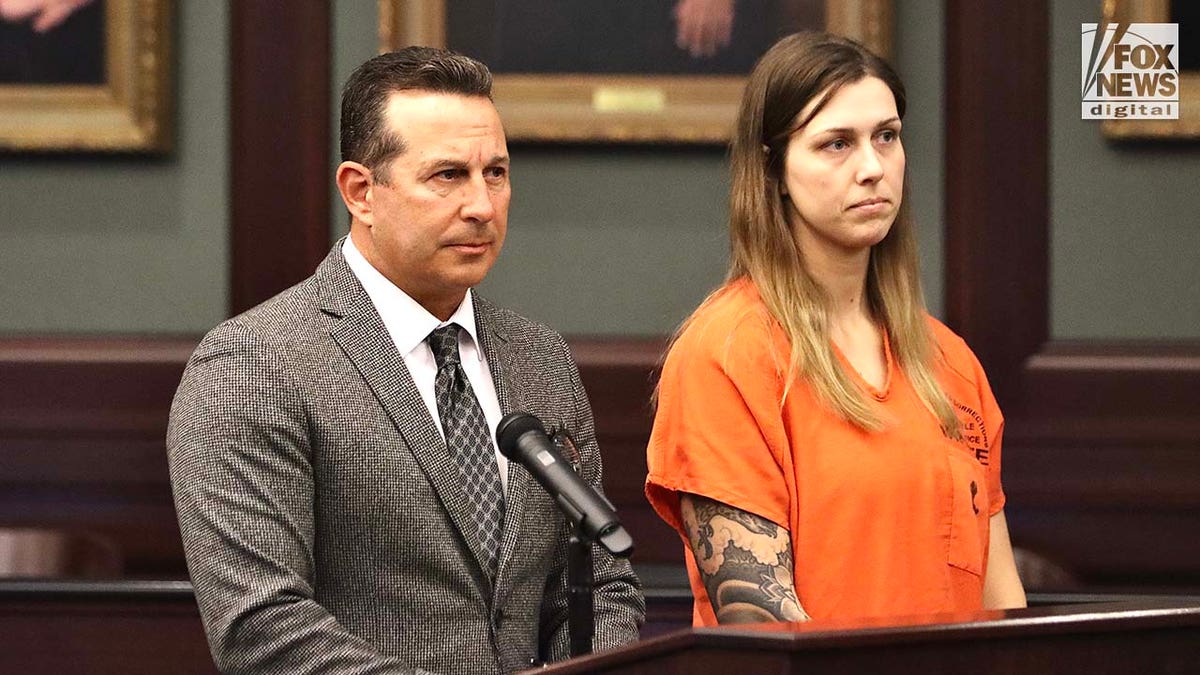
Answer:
(468, 439)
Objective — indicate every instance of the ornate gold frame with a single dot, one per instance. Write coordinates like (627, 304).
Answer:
(1188, 124)
(131, 112)
(620, 108)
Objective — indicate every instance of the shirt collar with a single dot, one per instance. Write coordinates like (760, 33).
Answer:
(407, 322)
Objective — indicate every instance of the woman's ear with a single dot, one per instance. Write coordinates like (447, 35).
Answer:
(767, 158)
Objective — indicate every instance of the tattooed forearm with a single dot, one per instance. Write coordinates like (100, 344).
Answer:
(745, 562)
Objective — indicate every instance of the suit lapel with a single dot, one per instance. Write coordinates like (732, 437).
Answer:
(496, 348)
(365, 340)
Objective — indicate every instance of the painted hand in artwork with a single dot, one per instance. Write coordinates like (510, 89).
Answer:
(44, 14)
(703, 27)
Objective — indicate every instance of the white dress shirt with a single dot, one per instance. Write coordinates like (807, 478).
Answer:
(408, 324)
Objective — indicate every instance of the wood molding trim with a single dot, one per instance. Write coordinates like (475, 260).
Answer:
(280, 121)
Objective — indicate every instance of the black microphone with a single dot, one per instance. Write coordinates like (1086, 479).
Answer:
(523, 439)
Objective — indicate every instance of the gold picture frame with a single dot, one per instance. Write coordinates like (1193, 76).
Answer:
(1188, 125)
(621, 108)
(129, 112)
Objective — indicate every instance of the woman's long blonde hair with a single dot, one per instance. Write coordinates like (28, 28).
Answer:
(793, 73)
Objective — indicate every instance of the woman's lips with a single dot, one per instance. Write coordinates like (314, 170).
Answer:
(871, 205)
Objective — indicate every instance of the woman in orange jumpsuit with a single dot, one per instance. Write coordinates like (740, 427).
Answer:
(824, 447)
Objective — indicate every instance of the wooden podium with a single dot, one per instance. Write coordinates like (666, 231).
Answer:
(1139, 636)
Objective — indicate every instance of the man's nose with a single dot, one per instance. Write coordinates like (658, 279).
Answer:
(477, 202)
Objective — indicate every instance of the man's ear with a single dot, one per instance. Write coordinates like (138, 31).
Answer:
(354, 184)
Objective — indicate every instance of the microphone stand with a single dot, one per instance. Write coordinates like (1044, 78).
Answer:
(581, 620)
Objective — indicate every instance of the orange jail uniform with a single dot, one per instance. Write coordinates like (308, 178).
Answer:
(882, 523)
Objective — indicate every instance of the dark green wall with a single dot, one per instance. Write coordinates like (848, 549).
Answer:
(1125, 218)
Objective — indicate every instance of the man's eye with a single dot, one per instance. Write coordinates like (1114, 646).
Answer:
(497, 172)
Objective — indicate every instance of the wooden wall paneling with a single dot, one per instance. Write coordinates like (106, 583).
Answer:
(1103, 461)
(620, 376)
(82, 428)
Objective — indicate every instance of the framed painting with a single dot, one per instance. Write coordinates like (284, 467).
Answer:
(1186, 13)
(85, 75)
(636, 71)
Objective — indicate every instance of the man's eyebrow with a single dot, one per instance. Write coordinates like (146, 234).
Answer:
(442, 163)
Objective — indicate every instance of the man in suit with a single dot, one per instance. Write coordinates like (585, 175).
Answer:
(332, 450)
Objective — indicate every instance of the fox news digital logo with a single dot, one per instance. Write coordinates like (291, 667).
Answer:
(1130, 71)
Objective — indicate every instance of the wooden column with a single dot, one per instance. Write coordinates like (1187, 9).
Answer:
(997, 181)
(280, 122)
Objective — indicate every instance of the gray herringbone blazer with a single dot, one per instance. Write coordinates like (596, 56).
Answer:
(325, 525)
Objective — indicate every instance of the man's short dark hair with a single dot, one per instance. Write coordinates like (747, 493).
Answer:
(365, 137)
